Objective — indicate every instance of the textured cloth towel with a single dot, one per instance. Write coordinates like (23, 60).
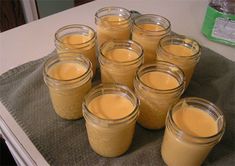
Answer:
(62, 142)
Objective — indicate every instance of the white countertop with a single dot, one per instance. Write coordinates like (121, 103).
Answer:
(36, 39)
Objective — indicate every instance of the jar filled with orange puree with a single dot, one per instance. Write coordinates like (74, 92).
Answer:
(112, 23)
(110, 112)
(182, 51)
(158, 86)
(119, 61)
(147, 30)
(193, 127)
(77, 38)
(68, 79)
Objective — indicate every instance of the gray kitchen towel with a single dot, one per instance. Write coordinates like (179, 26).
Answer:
(62, 142)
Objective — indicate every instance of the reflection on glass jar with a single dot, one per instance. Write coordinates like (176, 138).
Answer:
(112, 23)
(182, 51)
(147, 30)
(193, 127)
(110, 111)
(119, 61)
(77, 38)
(68, 79)
(157, 86)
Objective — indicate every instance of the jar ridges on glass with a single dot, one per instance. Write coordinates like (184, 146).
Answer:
(147, 30)
(193, 127)
(110, 111)
(77, 38)
(119, 61)
(182, 51)
(112, 23)
(158, 86)
(68, 79)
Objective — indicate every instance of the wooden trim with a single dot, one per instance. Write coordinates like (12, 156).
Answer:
(11, 14)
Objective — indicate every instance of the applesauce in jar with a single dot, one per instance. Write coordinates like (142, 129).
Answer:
(77, 38)
(147, 30)
(182, 51)
(110, 111)
(119, 61)
(68, 79)
(193, 127)
(158, 86)
(112, 23)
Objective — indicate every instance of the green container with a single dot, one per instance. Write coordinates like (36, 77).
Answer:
(219, 26)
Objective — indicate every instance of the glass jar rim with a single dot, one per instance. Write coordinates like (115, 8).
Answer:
(108, 86)
(58, 58)
(77, 26)
(154, 16)
(157, 64)
(113, 7)
(180, 38)
(139, 58)
(200, 101)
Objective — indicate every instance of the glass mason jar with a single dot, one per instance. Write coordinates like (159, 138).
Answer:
(77, 38)
(158, 86)
(68, 79)
(147, 30)
(119, 61)
(181, 148)
(182, 51)
(110, 137)
(112, 23)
